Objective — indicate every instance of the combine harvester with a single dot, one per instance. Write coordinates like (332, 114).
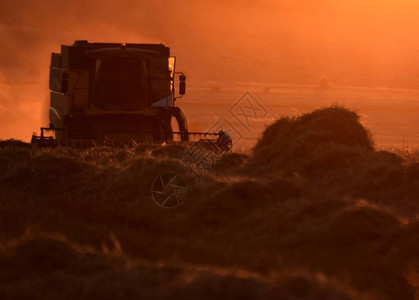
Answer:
(112, 94)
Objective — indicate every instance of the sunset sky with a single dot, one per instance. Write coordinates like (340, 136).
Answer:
(351, 42)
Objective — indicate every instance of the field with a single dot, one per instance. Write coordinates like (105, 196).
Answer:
(308, 208)
(389, 114)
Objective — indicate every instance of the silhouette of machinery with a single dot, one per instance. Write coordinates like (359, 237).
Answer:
(115, 92)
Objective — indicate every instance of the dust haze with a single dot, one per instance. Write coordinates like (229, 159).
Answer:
(352, 43)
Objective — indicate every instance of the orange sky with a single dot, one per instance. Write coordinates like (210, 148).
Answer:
(352, 42)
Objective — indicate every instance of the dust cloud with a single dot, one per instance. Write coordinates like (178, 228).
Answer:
(352, 43)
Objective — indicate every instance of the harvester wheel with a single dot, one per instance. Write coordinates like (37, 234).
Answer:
(183, 124)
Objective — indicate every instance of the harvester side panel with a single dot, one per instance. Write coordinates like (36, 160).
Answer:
(160, 79)
(61, 104)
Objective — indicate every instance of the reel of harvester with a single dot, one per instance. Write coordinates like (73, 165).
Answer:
(216, 142)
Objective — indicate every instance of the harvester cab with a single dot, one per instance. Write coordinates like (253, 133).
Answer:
(114, 92)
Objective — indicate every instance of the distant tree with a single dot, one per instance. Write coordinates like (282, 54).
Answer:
(324, 83)
(216, 88)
